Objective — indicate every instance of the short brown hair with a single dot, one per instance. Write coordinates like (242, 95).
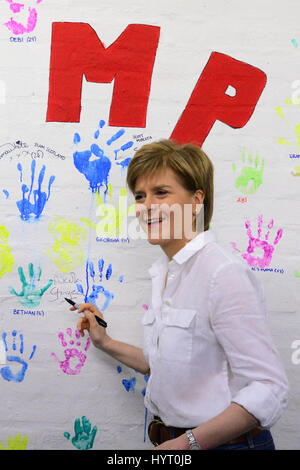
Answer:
(191, 164)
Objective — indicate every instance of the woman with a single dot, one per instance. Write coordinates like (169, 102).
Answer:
(215, 378)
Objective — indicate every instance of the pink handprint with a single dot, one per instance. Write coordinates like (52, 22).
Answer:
(71, 353)
(268, 249)
(16, 27)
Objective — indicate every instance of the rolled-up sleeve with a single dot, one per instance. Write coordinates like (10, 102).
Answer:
(238, 318)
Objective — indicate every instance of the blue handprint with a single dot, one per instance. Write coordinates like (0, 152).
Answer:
(40, 198)
(6, 371)
(97, 289)
(96, 170)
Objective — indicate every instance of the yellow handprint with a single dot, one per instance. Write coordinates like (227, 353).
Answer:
(297, 171)
(111, 219)
(294, 128)
(15, 443)
(67, 251)
(6, 257)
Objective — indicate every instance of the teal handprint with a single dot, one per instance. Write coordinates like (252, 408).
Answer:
(251, 175)
(30, 295)
(84, 434)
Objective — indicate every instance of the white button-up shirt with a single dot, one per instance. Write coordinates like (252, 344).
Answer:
(207, 341)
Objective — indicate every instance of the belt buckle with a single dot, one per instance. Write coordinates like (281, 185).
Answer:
(154, 431)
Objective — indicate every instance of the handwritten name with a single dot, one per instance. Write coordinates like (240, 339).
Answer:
(49, 150)
(274, 270)
(64, 285)
(107, 239)
(68, 278)
(242, 199)
(9, 147)
(22, 39)
(141, 138)
(32, 313)
(294, 155)
(60, 294)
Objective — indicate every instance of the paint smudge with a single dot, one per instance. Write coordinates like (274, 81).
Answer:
(146, 378)
(15, 443)
(6, 371)
(67, 252)
(297, 274)
(129, 384)
(72, 353)
(31, 294)
(294, 42)
(26, 208)
(6, 257)
(251, 174)
(296, 172)
(143, 392)
(256, 243)
(84, 435)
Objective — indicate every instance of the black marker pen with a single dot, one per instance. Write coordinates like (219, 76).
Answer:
(99, 320)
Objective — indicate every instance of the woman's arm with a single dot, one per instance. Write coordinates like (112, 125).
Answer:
(129, 355)
(229, 424)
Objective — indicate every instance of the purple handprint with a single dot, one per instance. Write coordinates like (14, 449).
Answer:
(256, 242)
(71, 352)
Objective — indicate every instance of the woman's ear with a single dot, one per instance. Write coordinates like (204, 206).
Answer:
(198, 199)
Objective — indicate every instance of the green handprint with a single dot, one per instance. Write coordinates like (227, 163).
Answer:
(15, 443)
(84, 437)
(251, 176)
(30, 295)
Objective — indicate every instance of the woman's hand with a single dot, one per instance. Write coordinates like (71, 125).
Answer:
(179, 443)
(88, 322)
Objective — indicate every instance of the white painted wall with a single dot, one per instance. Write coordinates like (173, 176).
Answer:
(46, 402)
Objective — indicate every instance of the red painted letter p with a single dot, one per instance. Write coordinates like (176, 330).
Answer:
(209, 101)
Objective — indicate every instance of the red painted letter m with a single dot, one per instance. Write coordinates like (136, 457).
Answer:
(76, 50)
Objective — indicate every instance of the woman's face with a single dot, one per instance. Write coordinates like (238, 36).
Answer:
(165, 208)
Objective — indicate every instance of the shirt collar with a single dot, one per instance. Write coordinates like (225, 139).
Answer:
(194, 245)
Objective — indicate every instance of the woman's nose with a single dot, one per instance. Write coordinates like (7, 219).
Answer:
(147, 207)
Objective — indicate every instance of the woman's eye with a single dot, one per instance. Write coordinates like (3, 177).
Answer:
(161, 192)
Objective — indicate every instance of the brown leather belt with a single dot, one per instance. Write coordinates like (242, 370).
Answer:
(158, 433)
